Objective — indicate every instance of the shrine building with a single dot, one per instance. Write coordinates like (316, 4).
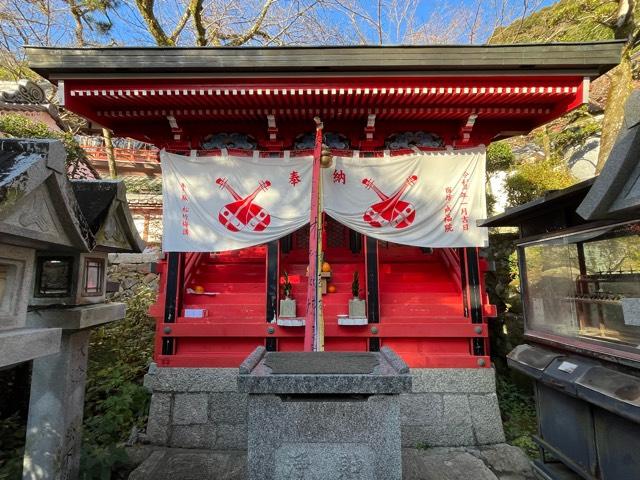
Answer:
(377, 106)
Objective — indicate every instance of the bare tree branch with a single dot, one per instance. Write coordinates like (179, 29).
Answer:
(155, 29)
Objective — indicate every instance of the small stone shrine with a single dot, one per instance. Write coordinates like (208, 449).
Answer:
(339, 414)
(55, 235)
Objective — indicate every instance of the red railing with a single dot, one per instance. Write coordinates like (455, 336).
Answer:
(135, 155)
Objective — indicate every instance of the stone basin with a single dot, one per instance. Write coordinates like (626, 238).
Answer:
(324, 415)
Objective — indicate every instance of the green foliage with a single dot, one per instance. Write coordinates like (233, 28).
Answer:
(355, 285)
(500, 157)
(564, 21)
(116, 401)
(531, 180)
(12, 433)
(517, 406)
(286, 285)
(491, 202)
(21, 127)
(143, 185)
(572, 135)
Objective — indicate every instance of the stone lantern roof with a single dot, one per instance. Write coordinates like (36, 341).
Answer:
(41, 208)
(616, 191)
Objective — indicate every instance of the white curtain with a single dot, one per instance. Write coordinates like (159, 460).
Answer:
(429, 199)
(219, 203)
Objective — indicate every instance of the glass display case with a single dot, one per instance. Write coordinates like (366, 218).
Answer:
(585, 286)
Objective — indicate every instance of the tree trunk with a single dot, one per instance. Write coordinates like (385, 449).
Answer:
(111, 158)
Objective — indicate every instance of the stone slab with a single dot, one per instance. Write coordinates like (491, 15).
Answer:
(77, 318)
(385, 378)
(321, 362)
(151, 257)
(189, 408)
(191, 379)
(453, 380)
(228, 408)
(158, 423)
(25, 344)
(485, 415)
(505, 460)
(182, 464)
(496, 462)
(444, 465)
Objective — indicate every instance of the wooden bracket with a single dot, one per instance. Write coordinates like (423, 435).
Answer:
(175, 129)
(272, 142)
(465, 132)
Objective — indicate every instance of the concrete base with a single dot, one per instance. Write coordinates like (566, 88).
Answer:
(201, 408)
(494, 462)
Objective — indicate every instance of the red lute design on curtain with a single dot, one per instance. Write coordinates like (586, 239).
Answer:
(242, 213)
(391, 210)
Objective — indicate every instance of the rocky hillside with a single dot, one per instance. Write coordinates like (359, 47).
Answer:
(565, 21)
(568, 148)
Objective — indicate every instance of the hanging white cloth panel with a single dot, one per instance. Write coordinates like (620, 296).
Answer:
(219, 203)
(429, 199)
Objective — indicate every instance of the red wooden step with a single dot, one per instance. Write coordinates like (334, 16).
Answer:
(426, 286)
(419, 298)
(228, 320)
(391, 319)
(230, 277)
(235, 298)
(395, 310)
(230, 310)
(423, 277)
(234, 287)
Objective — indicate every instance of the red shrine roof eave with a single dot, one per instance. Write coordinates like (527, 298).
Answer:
(467, 95)
(153, 109)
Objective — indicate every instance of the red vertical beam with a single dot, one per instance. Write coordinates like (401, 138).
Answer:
(314, 227)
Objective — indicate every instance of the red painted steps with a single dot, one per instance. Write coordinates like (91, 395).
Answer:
(223, 310)
(248, 288)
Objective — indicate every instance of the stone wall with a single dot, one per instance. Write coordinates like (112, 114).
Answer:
(130, 271)
(451, 407)
(200, 408)
(196, 408)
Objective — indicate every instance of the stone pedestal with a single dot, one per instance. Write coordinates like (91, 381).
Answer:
(357, 308)
(324, 415)
(54, 428)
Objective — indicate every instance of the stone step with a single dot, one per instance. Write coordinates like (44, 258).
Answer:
(492, 462)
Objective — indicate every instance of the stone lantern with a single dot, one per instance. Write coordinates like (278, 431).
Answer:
(55, 235)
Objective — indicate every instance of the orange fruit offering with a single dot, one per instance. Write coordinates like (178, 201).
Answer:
(198, 289)
(326, 267)
(331, 289)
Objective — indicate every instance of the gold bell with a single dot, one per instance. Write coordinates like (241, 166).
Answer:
(326, 159)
